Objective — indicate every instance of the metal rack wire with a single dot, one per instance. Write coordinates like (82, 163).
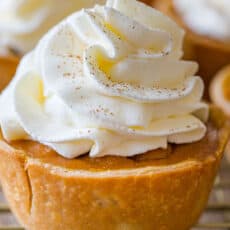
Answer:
(215, 217)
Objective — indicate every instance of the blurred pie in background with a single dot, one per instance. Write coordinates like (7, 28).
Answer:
(220, 94)
(220, 89)
(23, 22)
(8, 67)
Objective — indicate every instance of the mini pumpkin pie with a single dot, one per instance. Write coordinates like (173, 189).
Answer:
(161, 189)
(208, 34)
(103, 127)
(220, 93)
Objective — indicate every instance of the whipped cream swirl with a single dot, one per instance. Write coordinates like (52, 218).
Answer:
(206, 17)
(23, 22)
(108, 81)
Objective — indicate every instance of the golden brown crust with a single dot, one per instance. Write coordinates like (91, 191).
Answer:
(8, 67)
(209, 53)
(46, 191)
(146, 1)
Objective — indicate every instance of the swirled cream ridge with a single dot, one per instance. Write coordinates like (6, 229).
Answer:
(108, 81)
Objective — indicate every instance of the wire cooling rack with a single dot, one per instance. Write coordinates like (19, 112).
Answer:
(215, 217)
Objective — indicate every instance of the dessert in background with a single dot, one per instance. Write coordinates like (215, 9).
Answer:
(209, 18)
(8, 67)
(23, 22)
(103, 126)
(207, 23)
(220, 94)
(220, 89)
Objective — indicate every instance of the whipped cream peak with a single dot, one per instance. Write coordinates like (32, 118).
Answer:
(206, 17)
(108, 81)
